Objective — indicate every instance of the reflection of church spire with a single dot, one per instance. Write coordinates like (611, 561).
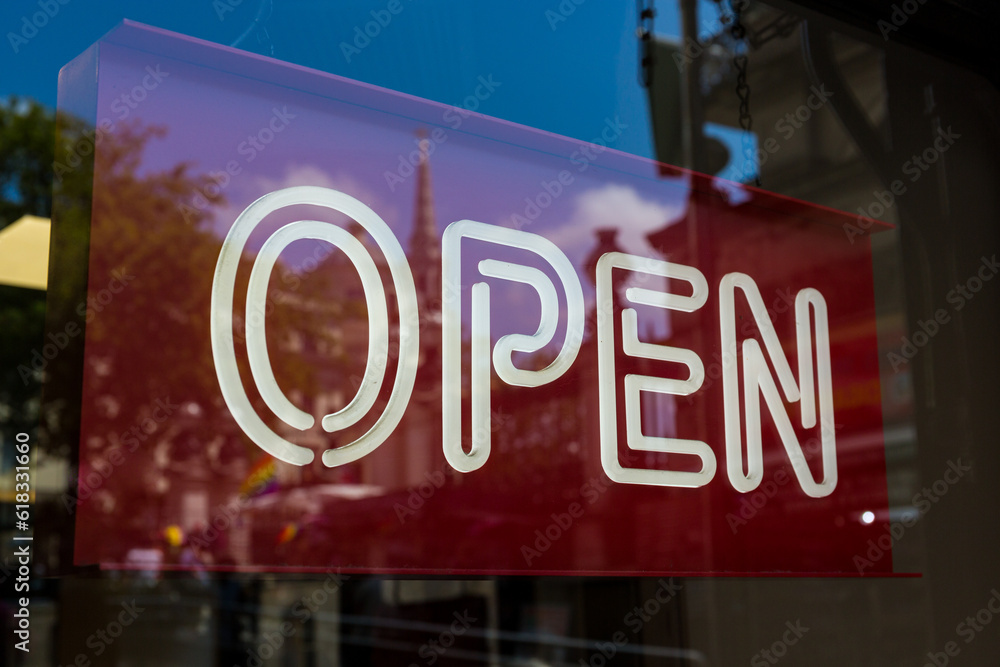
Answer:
(424, 251)
(424, 254)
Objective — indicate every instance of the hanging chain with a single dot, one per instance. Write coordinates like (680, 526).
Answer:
(740, 61)
(646, 15)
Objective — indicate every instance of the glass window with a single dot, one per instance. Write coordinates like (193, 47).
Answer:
(545, 465)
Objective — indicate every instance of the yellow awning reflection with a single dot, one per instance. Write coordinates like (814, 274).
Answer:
(24, 253)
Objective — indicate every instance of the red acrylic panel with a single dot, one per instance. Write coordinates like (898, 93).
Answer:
(191, 136)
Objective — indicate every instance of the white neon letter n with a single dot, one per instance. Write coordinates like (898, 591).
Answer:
(757, 381)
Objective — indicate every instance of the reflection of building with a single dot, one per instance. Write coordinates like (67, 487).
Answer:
(818, 135)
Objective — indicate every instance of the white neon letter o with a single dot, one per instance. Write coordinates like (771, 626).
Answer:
(223, 346)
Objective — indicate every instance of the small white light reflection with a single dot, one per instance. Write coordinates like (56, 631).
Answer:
(868, 517)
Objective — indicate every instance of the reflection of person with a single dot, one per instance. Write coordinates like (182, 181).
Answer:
(189, 560)
(182, 551)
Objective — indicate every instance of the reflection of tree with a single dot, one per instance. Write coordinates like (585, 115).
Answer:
(161, 318)
(128, 208)
(131, 215)
(143, 235)
(26, 135)
(22, 321)
(117, 216)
